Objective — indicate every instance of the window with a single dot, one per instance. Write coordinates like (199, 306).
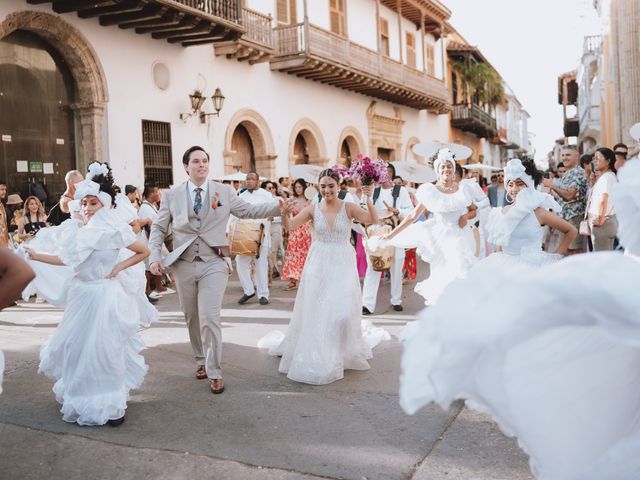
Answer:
(156, 153)
(411, 49)
(286, 12)
(384, 36)
(336, 17)
(429, 55)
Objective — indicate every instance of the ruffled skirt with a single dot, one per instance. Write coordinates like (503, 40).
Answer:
(551, 353)
(94, 353)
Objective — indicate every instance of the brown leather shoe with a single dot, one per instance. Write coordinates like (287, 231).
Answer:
(201, 373)
(216, 385)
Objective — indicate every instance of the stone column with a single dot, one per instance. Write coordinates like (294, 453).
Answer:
(88, 133)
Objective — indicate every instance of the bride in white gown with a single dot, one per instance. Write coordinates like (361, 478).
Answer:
(325, 336)
(551, 352)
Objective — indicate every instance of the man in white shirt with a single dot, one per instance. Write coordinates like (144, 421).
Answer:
(397, 200)
(254, 195)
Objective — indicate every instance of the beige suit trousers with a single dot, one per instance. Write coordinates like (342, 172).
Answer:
(201, 287)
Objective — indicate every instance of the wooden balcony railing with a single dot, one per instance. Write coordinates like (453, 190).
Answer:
(258, 27)
(227, 9)
(473, 119)
(307, 42)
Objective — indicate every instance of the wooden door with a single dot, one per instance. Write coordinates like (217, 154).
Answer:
(243, 158)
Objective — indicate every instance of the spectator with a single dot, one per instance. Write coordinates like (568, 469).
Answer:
(397, 180)
(147, 214)
(132, 194)
(71, 178)
(285, 186)
(585, 163)
(621, 151)
(14, 202)
(497, 193)
(4, 215)
(572, 192)
(601, 211)
(560, 172)
(32, 220)
(299, 240)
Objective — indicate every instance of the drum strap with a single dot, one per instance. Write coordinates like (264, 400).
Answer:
(395, 193)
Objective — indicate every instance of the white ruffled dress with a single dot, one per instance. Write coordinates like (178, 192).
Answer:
(440, 241)
(552, 353)
(93, 355)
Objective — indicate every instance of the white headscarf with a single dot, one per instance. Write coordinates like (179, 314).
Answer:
(444, 155)
(90, 188)
(514, 171)
(97, 168)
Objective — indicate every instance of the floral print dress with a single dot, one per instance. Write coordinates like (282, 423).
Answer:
(297, 249)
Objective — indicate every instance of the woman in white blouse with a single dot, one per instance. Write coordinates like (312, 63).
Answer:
(601, 209)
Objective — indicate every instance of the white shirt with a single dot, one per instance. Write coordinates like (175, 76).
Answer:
(403, 203)
(147, 211)
(500, 195)
(257, 197)
(604, 184)
(192, 191)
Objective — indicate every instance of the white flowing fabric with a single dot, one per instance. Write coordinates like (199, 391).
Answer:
(552, 353)
(440, 241)
(94, 352)
(326, 335)
(1, 369)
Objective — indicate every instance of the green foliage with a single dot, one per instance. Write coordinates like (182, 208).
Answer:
(481, 80)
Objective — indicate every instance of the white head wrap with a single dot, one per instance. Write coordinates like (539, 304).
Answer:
(444, 155)
(514, 171)
(90, 188)
(97, 168)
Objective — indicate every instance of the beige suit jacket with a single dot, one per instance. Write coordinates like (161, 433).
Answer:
(174, 216)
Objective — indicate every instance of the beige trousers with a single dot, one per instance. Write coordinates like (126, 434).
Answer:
(201, 287)
(603, 237)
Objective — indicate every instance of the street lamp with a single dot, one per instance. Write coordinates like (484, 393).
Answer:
(197, 100)
(218, 102)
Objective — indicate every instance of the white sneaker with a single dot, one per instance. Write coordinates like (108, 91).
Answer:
(168, 291)
(40, 300)
(154, 294)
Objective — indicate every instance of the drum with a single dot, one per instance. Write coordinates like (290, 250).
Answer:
(246, 238)
(382, 258)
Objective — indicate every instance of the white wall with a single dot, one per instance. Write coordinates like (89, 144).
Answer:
(282, 99)
(361, 23)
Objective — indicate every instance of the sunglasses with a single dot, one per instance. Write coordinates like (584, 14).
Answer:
(622, 154)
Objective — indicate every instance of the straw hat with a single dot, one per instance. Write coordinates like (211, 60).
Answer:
(14, 199)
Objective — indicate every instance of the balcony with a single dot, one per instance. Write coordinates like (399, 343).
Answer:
(472, 118)
(311, 52)
(256, 45)
(571, 126)
(500, 138)
(187, 22)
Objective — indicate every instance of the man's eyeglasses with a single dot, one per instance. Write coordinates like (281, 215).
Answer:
(570, 147)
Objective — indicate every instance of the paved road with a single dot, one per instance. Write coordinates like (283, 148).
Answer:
(264, 426)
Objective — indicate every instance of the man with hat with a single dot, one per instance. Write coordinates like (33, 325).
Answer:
(14, 208)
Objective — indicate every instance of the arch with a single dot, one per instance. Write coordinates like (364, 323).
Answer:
(355, 142)
(91, 94)
(409, 155)
(261, 140)
(315, 150)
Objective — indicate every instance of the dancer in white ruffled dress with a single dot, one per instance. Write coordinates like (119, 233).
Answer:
(443, 240)
(94, 352)
(325, 335)
(517, 229)
(552, 353)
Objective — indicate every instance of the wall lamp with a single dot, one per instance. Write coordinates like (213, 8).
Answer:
(197, 100)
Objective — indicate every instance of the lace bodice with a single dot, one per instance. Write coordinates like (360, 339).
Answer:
(339, 232)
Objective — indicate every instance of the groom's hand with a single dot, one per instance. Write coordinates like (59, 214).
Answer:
(286, 206)
(156, 268)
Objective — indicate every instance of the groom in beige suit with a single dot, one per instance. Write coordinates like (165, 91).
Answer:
(197, 213)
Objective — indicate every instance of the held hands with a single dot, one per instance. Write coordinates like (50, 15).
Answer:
(156, 268)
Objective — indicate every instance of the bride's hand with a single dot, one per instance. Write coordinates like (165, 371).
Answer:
(462, 221)
(31, 253)
(366, 191)
(116, 270)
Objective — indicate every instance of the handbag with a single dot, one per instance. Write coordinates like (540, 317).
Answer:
(584, 228)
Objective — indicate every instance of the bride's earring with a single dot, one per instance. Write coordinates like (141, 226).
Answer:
(508, 197)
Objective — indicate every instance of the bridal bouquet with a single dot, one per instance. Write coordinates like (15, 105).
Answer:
(369, 171)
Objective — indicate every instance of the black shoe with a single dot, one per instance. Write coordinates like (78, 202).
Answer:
(116, 423)
(152, 301)
(263, 301)
(365, 311)
(245, 297)
(397, 308)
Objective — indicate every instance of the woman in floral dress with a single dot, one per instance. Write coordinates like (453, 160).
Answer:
(299, 240)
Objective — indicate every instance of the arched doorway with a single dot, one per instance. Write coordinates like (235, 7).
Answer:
(79, 95)
(350, 145)
(306, 144)
(37, 122)
(249, 145)
(244, 159)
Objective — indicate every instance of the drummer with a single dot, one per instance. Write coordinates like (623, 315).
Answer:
(389, 200)
(255, 195)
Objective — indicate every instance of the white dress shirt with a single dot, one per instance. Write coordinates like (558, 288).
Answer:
(192, 191)
(403, 203)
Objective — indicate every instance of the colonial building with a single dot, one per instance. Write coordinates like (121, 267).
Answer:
(260, 84)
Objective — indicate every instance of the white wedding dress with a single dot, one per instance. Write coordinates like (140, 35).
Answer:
(551, 352)
(326, 334)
